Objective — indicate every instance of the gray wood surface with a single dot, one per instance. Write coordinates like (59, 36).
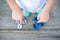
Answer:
(9, 31)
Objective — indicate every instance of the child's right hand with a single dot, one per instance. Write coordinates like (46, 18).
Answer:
(18, 16)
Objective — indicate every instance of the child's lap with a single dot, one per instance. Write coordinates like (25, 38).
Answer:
(26, 13)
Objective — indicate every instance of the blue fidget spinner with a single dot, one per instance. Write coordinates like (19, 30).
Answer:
(37, 24)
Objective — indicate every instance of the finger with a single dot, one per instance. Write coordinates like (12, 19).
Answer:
(21, 21)
(38, 18)
(40, 21)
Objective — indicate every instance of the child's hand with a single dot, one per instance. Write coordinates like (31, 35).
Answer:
(43, 17)
(18, 16)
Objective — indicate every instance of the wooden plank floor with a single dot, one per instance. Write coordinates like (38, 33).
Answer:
(9, 31)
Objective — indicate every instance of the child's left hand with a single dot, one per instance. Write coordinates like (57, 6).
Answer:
(43, 17)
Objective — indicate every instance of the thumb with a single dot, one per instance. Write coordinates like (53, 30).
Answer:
(21, 22)
(38, 18)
